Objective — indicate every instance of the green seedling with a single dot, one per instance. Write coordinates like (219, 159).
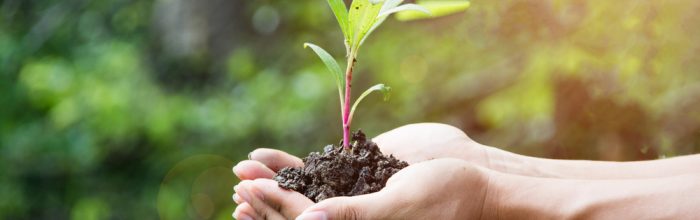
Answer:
(357, 23)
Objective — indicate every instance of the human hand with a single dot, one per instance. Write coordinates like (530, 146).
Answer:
(435, 189)
(412, 143)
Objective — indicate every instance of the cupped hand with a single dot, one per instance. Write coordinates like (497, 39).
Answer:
(435, 189)
(413, 143)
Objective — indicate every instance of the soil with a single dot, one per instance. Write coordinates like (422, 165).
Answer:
(339, 172)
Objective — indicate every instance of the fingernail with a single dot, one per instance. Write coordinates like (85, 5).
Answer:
(242, 216)
(242, 193)
(235, 214)
(234, 169)
(314, 215)
(237, 199)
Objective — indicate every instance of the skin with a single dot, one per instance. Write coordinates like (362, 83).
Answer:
(479, 181)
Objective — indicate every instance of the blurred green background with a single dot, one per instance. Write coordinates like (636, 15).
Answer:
(138, 109)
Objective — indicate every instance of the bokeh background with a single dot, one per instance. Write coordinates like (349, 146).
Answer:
(138, 109)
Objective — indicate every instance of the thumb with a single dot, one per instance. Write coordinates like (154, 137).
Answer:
(356, 207)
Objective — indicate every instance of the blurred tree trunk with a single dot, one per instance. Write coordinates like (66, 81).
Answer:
(194, 38)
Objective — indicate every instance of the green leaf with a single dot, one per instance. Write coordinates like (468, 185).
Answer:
(379, 87)
(332, 66)
(361, 18)
(341, 14)
(436, 8)
(388, 5)
(404, 7)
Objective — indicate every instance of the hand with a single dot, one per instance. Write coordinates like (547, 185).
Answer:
(412, 143)
(436, 189)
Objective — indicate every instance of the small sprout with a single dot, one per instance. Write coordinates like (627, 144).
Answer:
(357, 23)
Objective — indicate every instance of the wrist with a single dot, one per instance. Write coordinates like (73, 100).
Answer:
(473, 188)
(523, 197)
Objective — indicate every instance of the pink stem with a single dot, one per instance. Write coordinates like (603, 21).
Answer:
(346, 108)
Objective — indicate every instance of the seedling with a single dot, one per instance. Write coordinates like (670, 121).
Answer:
(357, 23)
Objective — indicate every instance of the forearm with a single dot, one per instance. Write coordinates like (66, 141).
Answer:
(620, 170)
(520, 197)
(508, 162)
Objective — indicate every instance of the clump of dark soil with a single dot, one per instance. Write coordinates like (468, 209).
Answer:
(338, 172)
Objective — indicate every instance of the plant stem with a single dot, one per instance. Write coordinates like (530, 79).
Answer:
(346, 108)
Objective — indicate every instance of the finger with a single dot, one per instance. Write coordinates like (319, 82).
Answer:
(417, 132)
(287, 202)
(245, 212)
(368, 206)
(237, 199)
(275, 159)
(414, 143)
(250, 170)
(256, 200)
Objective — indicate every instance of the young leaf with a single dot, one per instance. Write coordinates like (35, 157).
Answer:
(388, 5)
(436, 8)
(341, 14)
(379, 87)
(404, 7)
(332, 66)
(361, 18)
